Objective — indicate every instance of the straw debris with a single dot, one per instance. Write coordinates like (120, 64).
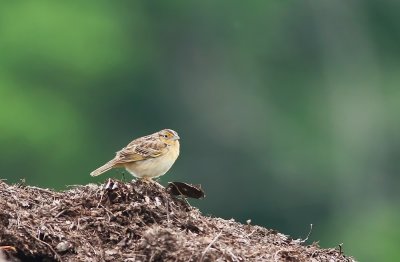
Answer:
(135, 221)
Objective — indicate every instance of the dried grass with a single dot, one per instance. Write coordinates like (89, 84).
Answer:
(132, 222)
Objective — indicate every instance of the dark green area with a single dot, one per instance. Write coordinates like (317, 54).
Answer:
(288, 111)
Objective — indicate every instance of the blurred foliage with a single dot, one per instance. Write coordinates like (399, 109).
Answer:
(288, 111)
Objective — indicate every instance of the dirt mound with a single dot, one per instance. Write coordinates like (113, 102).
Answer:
(132, 222)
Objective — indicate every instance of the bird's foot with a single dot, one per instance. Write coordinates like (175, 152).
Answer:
(149, 180)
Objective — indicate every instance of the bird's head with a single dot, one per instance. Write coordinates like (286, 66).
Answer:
(168, 136)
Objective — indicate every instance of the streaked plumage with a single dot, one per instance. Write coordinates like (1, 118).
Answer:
(146, 157)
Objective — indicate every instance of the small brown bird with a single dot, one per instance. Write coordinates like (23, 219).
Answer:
(146, 157)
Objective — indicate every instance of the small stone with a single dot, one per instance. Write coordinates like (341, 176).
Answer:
(63, 246)
(111, 252)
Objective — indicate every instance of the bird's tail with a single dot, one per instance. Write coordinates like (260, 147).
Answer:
(103, 168)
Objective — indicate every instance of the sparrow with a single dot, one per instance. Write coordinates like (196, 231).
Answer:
(146, 157)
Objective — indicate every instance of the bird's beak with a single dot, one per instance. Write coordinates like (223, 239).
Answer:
(176, 137)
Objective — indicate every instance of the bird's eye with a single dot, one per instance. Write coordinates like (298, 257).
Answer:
(166, 136)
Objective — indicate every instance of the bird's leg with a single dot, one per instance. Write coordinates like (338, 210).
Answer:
(158, 184)
(145, 180)
(149, 180)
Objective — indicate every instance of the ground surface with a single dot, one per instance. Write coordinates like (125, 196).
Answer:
(132, 222)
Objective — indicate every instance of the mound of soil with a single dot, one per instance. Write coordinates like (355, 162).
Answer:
(138, 221)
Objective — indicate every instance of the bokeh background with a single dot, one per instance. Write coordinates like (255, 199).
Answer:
(288, 110)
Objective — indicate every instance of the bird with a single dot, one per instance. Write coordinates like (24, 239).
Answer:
(146, 157)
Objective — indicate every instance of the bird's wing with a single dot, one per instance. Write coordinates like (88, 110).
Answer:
(141, 149)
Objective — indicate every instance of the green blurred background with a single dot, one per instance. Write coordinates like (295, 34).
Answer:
(288, 110)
